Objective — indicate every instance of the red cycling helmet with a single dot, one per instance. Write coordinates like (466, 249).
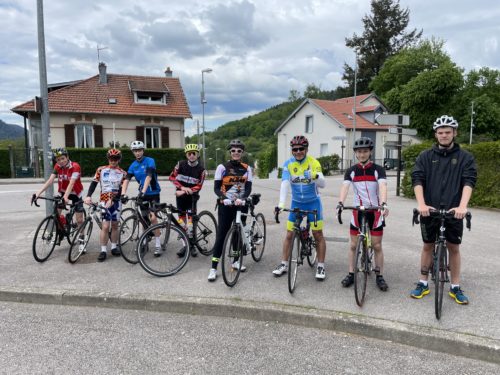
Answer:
(299, 140)
(114, 154)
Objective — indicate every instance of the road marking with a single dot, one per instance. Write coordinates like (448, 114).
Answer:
(16, 191)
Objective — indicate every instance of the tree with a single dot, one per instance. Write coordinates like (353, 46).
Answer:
(383, 36)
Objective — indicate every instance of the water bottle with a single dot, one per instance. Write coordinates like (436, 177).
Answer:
(304, 232)
(62, 221)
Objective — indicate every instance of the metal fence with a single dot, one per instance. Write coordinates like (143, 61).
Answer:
(25, 162)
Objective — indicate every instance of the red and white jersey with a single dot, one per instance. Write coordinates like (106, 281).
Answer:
(111, 179)
(70, 171)
(365, 181)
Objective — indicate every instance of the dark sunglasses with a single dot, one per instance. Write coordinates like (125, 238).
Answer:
(297, 149)
(236, 151)
(114, 158)
(191, 153)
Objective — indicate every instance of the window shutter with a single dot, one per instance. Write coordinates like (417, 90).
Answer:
(69, 135)
(139, 133)
(165, 140)
(98, 142)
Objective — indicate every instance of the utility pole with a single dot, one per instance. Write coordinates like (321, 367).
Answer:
(472, 113)
(354, 114)
(44, 95)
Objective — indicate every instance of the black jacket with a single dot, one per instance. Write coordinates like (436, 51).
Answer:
(443, 173)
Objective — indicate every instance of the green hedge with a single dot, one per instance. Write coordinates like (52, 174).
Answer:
(487, 154)
(329, 163)
(4, 164)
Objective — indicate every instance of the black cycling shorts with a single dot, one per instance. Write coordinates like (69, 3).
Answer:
(429, 227)
(75, 198)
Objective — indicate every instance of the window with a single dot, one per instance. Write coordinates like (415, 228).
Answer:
(152, 137)
(323, 149)
(309, 124)
(84, 136)
(149, 97)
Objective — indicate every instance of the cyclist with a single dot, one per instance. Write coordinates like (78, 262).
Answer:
(369, 183)
(303, 173)
(70, 188)
(188, 177)
(443, 176)
(110, 177)
(232, 184)
(143, 168)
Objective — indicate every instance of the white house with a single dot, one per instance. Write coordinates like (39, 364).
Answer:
(95, 111)
(329, 127)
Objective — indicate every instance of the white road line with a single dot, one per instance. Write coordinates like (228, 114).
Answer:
(16, 191)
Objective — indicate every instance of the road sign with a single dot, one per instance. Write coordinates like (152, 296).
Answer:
(387, 119)
(339, 138)
(403, 131)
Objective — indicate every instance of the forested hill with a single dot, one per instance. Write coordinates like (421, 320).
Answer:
(8, 131)
(256, 131)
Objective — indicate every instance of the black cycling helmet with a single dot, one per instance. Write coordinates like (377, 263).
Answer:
(236, 143)
(363, 142)
(299, 140)
(60, 152)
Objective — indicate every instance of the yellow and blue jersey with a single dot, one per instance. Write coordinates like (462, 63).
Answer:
(301, 174)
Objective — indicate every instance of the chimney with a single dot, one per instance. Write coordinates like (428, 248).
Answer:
(103, 78)
(168, 72)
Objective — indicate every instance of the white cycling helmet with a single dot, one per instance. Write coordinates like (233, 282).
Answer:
(445, 121)
(137, 145)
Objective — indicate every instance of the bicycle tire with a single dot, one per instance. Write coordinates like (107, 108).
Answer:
(49, 236)
(294, 260)
(360, 271)
(439, 278)
(126, 213)
(312, 254)
(232, 251)
(79, 243)
(258, 237)
(128, 238)
(74, 225)
(167, 263)
(205, 233)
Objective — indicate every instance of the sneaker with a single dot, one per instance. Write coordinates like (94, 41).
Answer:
(420, 291)
(194, 253)
(116, 251)
(382, 285)
(237, 265)
(320, 273)
(348, 280)
(212, 275)
(102, 256)
(157, 252)
(280, 270)
(459, 296)
(181, 252)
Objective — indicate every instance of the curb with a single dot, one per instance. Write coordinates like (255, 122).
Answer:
(443, 341)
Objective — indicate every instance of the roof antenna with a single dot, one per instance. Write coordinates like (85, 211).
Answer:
(98, 50)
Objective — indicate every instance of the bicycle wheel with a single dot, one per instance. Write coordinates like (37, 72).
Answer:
(294, 260)
(311, 254)
(45, 239)
(165, 261)
(232, 252)
(440, 276)
(205, 233)
(360, 274)
(258, 237)
(126, 213)
(80, 241)
(74, 225)
(128, 238)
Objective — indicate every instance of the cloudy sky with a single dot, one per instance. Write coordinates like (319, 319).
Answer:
(258, 49)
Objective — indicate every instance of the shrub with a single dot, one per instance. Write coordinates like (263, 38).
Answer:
(329, 163)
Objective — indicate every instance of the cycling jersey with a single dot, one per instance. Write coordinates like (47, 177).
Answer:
(233, 180)
(140, 170)
(186, 175)
(300, 174)
(71, 171)
(111, 179)
(365, 182)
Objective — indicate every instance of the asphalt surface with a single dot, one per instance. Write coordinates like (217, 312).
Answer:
(402, 244)
(83, 340)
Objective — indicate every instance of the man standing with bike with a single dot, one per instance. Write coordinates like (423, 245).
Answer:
(303, 173)
(369, 183)
(188, 177)
(110, 177)
(68, 174)
(232, 185)
(443, 176)
(144, 170)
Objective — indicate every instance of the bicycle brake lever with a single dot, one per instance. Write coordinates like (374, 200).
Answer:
(276, 214)
(468, 217)
(415, 217)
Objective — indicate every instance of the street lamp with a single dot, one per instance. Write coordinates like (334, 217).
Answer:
(216, 158)
(203, 102)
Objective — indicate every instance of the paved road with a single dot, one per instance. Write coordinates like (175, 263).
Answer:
(83, 340)
(481, 265)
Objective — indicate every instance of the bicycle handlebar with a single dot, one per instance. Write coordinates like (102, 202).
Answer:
(359, 208)
(58, 200)
(437, 213)
(296, 210)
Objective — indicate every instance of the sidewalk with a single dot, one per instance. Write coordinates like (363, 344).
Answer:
(472, 331)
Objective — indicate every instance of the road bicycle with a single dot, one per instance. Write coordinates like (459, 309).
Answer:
(176, 240)
(440, 267)
(303, 245)
(364, 262)
(243, 239)
(54, 228)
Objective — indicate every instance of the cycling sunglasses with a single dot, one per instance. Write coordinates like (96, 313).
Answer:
(236, 151)
(298, 149)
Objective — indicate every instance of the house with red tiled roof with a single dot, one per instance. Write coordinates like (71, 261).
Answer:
(331, 125)
(107, 108)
